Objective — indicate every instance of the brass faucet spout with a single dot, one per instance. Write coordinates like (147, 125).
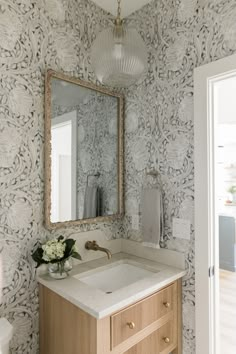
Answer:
(106, 251)
(92, 245)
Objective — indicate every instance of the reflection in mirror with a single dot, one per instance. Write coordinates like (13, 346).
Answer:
(85, 154)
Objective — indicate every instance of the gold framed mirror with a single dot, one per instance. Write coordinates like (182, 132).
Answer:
(84, 152)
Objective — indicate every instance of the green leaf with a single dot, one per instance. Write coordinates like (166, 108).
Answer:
(69, 247)
(76, 255)
(37, 256)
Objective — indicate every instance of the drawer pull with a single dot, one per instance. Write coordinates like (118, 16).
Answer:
(166, 304)
(131, 325)
(166, 340)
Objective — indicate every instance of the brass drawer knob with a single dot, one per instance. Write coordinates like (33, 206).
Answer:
(166, 340)
(166, 304)
(131, 325)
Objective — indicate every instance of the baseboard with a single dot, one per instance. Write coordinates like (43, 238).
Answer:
(229, 267)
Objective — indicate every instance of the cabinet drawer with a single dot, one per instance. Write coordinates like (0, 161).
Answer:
(133, 319)
(157, 342)
(167, 336)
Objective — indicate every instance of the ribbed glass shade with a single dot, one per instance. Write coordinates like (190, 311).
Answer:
(119, 61)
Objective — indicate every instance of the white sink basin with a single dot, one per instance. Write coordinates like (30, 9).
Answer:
(116, 275)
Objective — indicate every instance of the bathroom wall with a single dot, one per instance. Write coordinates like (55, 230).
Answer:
(180, 35)
(34, 35)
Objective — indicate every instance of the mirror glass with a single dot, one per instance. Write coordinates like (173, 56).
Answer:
(84, 156)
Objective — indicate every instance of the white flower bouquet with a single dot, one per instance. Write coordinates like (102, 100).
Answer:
(58, 250)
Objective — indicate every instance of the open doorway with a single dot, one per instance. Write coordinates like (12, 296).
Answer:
(225, 117)
(63, 169)
(215, 206)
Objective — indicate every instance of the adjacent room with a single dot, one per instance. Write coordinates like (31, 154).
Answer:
(225, 116)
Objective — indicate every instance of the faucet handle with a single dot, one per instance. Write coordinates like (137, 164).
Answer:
(91, 245)
(88, 245)
(95, 245)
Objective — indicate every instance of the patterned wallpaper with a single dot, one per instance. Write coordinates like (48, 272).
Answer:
(35, 34)
(180, 35)
(97, 150)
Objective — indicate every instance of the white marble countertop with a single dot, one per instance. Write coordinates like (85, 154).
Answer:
(99, 304)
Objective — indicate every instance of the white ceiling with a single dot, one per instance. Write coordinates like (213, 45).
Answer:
(127, 6)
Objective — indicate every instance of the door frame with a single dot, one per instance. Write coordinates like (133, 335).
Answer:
(206, 224)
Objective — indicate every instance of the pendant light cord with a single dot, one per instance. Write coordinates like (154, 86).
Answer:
(119, 10)
(118, 20)
(118, 31)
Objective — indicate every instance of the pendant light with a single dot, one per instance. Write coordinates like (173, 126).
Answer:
(118, 54)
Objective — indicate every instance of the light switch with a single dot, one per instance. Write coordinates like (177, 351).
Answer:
(181, 228)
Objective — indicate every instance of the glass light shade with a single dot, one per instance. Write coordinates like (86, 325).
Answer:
(119, 58)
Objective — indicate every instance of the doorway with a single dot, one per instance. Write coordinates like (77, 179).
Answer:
(210, 84)
(63, 169)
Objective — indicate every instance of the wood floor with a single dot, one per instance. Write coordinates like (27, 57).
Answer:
(228, 312)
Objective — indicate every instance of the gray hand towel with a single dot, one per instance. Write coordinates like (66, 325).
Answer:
(152, 217)
(90, 202)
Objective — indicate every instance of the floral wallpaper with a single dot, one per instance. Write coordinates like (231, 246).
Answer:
(180, 35)
(35, 35)
(97, 150)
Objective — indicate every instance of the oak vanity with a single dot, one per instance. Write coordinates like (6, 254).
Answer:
(143, 317)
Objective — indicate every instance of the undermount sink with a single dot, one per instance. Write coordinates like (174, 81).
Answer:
(116, 275)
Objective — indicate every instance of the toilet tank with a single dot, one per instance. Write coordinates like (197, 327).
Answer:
(6, 331)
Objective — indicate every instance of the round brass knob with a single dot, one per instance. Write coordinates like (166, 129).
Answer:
(166, 340)
(131, 325)
(166, 304)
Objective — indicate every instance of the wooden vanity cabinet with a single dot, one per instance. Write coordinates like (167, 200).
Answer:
(150, 326)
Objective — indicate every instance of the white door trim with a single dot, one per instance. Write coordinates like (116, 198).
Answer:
(206, 226)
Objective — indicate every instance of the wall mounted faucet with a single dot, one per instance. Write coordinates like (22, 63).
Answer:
(92, 245)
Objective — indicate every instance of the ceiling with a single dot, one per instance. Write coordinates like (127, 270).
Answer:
(127, 6)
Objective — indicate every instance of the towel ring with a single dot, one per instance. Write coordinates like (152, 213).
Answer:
(152, 173)
(98, 174)
(155, 174)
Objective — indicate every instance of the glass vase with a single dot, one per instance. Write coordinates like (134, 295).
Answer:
(60, 270)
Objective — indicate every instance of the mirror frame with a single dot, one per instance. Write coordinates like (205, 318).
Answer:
(50, 74)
